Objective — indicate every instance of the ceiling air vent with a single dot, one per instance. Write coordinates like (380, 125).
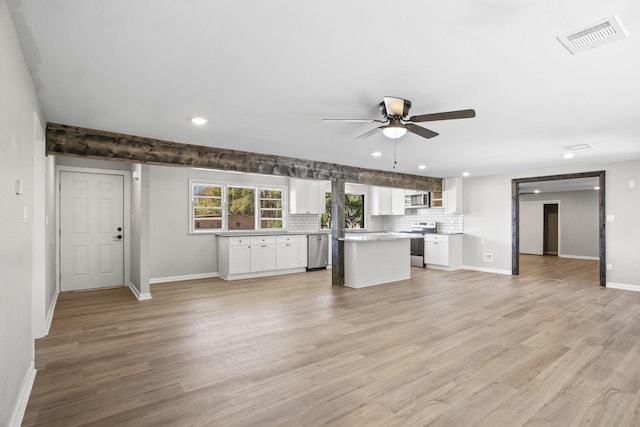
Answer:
(598, 34)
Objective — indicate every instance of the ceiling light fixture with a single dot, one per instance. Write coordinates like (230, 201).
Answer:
(465, 174)
(422, 166)
(536, 191)
(376, 154)
(394, 132)
(199, 121)
(568, 155)
(596, 188)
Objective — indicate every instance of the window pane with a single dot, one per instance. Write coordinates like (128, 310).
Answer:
(207, 207)
(353, 211)
(271, 208)
(241, 208)
(271, 223)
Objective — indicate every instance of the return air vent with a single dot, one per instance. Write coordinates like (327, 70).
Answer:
(596, 35)
(577, 147)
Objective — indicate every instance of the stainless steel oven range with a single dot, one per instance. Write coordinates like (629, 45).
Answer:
(417, 243)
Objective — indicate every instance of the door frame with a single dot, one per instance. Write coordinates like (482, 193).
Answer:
(127, 215)
(515, 214)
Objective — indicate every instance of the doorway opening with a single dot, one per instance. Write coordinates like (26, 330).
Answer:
(550, 234)
(555, 243)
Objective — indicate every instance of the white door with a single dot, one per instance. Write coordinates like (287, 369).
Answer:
(531, 228)
(91, 231)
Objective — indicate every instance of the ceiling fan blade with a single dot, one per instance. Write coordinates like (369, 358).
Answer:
(419, 130)
(367, 134)
(353, 120)
(460, 114)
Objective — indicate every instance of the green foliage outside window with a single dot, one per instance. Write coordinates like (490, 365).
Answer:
(353, 211)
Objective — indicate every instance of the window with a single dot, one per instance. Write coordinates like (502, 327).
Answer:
(241, 207)
(206, 207)
(270, 208)
(217, 207)
(353, 211)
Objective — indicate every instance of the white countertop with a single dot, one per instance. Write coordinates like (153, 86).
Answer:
(376, 237)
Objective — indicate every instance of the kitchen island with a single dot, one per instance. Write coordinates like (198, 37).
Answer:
(376, 258)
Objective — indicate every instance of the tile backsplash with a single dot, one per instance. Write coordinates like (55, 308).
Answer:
(447, 223)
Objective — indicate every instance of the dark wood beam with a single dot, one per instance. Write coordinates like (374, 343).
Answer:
(338, 195)
(97, 144)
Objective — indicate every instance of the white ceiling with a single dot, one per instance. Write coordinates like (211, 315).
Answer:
(265, 73)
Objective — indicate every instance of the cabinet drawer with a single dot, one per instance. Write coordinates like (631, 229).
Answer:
(436, 238)
(239, 241)
(287, 239)
(263, 240)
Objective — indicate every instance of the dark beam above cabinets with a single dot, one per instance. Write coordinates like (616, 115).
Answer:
(76, 141)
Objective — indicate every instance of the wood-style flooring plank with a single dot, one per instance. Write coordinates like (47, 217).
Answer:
(443, 348)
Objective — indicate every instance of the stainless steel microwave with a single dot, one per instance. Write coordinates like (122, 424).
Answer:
(417, 200)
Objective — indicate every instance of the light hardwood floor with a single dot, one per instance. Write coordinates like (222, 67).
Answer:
(441, 349)
(564, 269)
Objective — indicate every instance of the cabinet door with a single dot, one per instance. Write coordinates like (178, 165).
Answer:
(452, 195)
(313, 201)
(239, 259)
(443, 254)
(287, 255)
(397, 202)
(297, 196)
(431, 252)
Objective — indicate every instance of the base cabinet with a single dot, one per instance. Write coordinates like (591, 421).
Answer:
(255, 256)
(443, 251)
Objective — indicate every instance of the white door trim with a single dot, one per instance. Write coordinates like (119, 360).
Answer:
(127, 214)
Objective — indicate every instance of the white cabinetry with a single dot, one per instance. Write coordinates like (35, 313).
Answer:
(452, 195)
(291, 252)
(443, 251)
(306, 196)
(386, 201)
(241, 257)
(263, 253)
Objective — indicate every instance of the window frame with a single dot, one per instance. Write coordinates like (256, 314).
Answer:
(224, 185)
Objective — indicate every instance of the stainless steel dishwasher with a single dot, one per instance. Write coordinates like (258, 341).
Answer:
(317, 251)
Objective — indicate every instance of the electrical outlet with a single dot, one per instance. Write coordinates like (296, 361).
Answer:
(488, 257)
(609, 267)
(611, 218)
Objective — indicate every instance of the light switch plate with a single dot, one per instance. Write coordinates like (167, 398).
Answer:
(19, 186)
(611, 218)
(632, 184)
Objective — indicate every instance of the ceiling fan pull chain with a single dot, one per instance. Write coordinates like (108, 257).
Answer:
(395, 147)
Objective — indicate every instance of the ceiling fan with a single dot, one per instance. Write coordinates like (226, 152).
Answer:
(395, 123)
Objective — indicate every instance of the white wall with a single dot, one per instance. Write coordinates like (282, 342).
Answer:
(174, 252)
(579, 221)
(487, 219)
(18, 103)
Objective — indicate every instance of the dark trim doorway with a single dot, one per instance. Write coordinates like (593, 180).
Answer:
(515, 217)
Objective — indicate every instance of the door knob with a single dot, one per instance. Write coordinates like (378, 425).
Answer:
(119, 237)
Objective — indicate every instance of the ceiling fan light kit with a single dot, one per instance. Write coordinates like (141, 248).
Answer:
(395, 123)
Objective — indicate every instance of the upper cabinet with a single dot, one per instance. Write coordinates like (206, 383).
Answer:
(452, 195)
(306, 196)
(386, 201)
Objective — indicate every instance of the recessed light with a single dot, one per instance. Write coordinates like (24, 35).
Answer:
(199, 121)
(596, 188)
(568, 155)
(422, 166)
(536, 191)
(376, 154)
(465, 174)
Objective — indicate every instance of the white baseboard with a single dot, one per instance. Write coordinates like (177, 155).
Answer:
(263, 274)
(623, 286)
(138, 295)
(487, 270)
(181, 278)
(593, 258)
(23, 398)
(49, 319)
